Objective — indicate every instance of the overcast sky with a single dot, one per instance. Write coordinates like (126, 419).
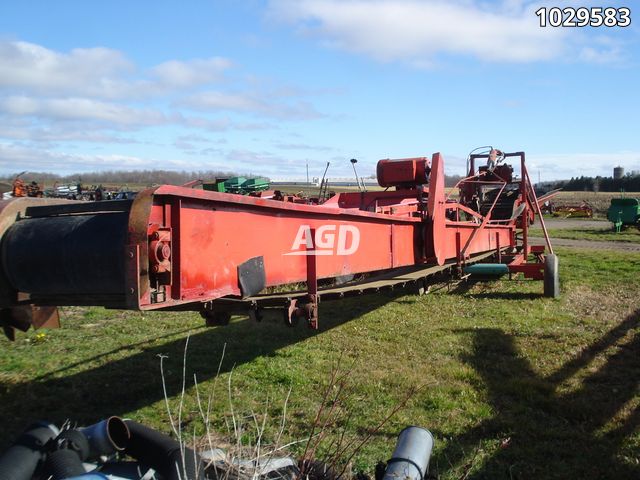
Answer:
(267, 86)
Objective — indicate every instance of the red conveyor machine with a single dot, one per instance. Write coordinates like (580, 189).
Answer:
(178, 248)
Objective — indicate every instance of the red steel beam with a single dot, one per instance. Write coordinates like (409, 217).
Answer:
(212, 233)
(190, 247)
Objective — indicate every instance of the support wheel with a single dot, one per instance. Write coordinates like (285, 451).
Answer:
(551, 277)
(215, 319)
(256, 314)
(422, 288)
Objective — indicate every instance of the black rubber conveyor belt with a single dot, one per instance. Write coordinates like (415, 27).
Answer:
(72, 254)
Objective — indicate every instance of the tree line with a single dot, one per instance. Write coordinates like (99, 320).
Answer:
(143, 177)
(628, 183)
(110, 177)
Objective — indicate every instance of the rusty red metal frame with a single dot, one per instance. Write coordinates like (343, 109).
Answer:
(191, 249)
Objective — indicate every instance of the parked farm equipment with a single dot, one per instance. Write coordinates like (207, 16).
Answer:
(177, 248)
(574, 210)
(624, 212)
(20, 188)
(563, 208)
(240, 185)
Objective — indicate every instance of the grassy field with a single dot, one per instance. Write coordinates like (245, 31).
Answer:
(512, 385)
(599, 201)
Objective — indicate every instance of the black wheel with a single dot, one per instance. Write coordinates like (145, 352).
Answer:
(551, 277)
(256, 315)
(215, 319)
(422, 288)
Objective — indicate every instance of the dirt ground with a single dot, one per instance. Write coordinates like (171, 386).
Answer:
(594, 245)
(574, 223)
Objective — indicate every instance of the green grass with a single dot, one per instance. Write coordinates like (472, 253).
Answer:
(513, 385)
(629, 235)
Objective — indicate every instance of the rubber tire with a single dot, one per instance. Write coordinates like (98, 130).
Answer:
(215, 319)
(551, 277)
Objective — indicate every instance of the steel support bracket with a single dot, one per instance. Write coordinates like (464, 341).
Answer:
(25, 316)
(297, 308)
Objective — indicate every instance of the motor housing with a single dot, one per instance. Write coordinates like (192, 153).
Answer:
(404, 172)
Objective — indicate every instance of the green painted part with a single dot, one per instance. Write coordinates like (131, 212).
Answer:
(623, 211)
(214, 187)
(625, 202)
(256, 184)
(234, 184)
(487, 269)
(246, 185)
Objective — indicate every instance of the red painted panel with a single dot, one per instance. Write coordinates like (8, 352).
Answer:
(215, 238)
(213, 233)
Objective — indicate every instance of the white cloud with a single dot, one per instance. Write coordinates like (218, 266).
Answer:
(35, 133)
(250, 103)
(418, 31)
(81, 119)
(91, 94)
(193, 72)
(187, 144)
(566, 165)
(95, 71)
(195, 138)
(304, 146)
(219, 124)
(80, 109)
(222, 101)
(604, 50)
(252, 158)
(15, 157)
(98, 72)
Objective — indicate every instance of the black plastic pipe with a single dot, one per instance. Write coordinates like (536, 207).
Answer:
(74, 254)
(63, 464)
(163, 454)
(21, 460)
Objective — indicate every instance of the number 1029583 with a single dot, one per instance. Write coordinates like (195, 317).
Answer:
(584, 17)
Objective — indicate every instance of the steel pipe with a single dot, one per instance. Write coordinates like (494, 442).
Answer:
(410, 459)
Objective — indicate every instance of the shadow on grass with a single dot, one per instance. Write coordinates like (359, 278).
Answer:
(464, 288)
(122, 348)
(128, 384)
(554, 434)
(507, 295)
